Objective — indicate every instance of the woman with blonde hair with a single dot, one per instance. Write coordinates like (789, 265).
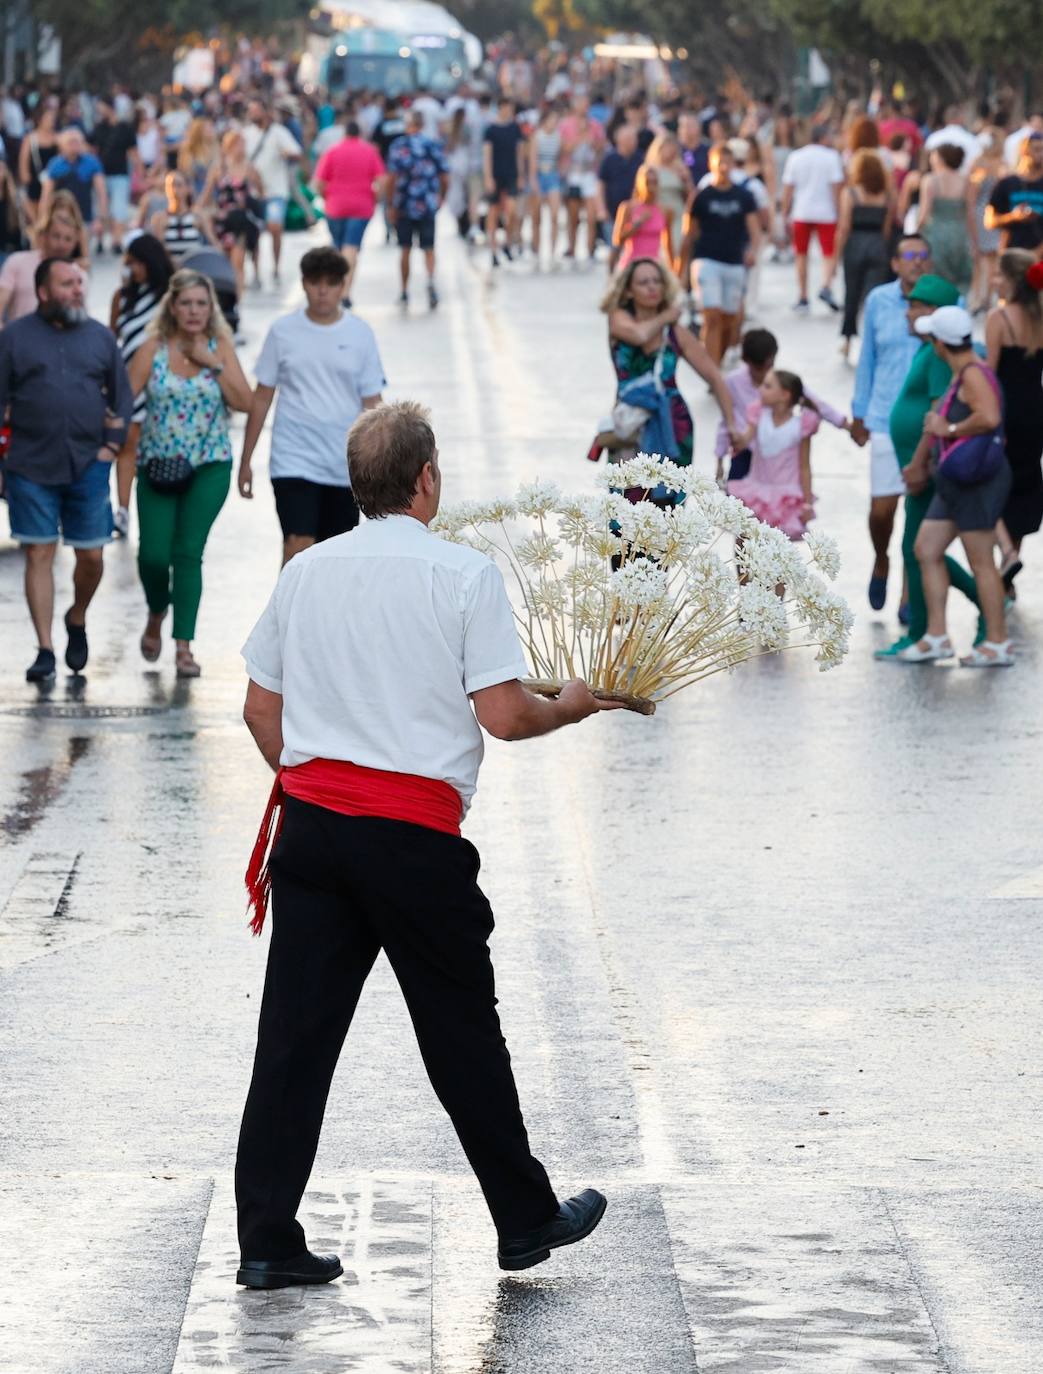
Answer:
(191, 378)
(675, 182)
(643, 229)
(1014, 351)
(643, 305)
(863, 235)
(235, 188)
(198, 153)
(61, 234)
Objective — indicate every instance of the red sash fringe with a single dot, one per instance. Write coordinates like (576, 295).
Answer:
(350, 790)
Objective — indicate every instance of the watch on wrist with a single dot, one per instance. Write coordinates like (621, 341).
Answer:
(952, 430)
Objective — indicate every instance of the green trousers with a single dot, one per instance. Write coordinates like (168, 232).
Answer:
(173, 532)
(961, 579)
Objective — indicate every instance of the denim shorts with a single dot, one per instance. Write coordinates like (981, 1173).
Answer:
(78, 511)
(275, 210)
(546, 182)
(119, 198)
(721, 285)
(348, 232)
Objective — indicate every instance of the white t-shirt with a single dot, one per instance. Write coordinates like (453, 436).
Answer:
(813, 171)
(175, 124)
(432, 112)
(323, 372)
(267, 149)
(375, 639)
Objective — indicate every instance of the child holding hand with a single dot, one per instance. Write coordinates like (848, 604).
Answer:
(781, 422)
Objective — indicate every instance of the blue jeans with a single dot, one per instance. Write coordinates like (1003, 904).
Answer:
(348, 232)
(79, 511)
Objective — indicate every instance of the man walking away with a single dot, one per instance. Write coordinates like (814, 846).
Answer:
(348, 178)
(418, 179)
(377, 659)
(63, 377)
(324, 363)
(811, 203)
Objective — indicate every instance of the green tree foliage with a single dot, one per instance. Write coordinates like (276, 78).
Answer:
(103, 39)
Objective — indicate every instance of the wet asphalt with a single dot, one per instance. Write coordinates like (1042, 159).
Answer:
(769, 965)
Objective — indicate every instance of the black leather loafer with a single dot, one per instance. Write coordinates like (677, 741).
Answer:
(285, 1273)
(575, 1219)
(76, 649)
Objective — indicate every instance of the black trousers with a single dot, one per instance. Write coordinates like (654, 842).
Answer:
(343, 888)
(866, 265)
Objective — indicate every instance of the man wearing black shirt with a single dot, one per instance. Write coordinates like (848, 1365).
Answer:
(1016, 203)
(722, 235)
(616, 178)
(502, 158)
(116, 145)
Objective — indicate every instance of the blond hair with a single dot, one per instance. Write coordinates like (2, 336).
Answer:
(63, 206)
(164, 326)
(200, 144)
(618, 295)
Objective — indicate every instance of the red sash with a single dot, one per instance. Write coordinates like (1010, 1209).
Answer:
(350, 790)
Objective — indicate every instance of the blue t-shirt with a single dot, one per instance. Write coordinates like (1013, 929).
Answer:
(418, 164)
(617, 174)
(77, 177)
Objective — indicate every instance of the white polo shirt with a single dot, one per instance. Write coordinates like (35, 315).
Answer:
(375, 640)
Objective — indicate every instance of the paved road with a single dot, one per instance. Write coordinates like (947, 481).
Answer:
(769, 967)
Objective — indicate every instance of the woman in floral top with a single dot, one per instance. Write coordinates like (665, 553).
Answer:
(190, 378)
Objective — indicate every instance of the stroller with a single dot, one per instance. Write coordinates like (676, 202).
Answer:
(212, 263)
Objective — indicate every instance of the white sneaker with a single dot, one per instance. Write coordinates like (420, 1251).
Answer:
(121, 521)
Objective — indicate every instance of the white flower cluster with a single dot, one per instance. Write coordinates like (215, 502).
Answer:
(644, 599)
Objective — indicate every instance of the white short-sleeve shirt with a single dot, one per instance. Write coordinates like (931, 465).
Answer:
(375, 639)
(813, 171)
(323, 373)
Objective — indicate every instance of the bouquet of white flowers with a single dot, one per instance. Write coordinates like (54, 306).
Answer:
(640, 601)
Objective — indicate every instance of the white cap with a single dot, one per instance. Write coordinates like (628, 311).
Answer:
(949, 324)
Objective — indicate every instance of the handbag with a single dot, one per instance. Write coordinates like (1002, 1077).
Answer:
(979, 456)
(173, 473)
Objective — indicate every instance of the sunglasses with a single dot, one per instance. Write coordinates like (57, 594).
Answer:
(915, 255)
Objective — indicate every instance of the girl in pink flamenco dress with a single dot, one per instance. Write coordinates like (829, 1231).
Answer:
(777, 487)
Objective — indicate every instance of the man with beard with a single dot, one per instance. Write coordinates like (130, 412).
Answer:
(63, 377)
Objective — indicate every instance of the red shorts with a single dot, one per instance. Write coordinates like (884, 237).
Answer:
(827, 237)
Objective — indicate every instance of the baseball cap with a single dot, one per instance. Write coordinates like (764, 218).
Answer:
(739, 148)
(950, 325)
(934, 290)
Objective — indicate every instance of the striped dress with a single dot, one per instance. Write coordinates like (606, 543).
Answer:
(136, 313)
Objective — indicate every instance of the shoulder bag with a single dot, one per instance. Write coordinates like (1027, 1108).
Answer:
(979, 456)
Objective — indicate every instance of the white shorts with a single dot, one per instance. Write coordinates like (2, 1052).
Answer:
(719, 285)
(581, 186)
(885, 476)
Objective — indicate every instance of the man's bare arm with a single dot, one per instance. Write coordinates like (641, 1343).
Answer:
(263, 715)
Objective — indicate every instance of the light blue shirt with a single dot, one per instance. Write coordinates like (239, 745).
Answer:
(888, 349)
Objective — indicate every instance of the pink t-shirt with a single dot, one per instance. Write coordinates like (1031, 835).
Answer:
(348, 171)
(17, 276)
(647, 241)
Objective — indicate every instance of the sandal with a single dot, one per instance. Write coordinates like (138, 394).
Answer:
(937, 647)
(1009, 568)
(186, 664)
(998, 655)
(151, 646)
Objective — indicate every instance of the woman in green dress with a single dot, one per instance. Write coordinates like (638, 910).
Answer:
(946, 217)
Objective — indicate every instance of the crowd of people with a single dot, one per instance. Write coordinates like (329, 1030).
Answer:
(682, 198)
